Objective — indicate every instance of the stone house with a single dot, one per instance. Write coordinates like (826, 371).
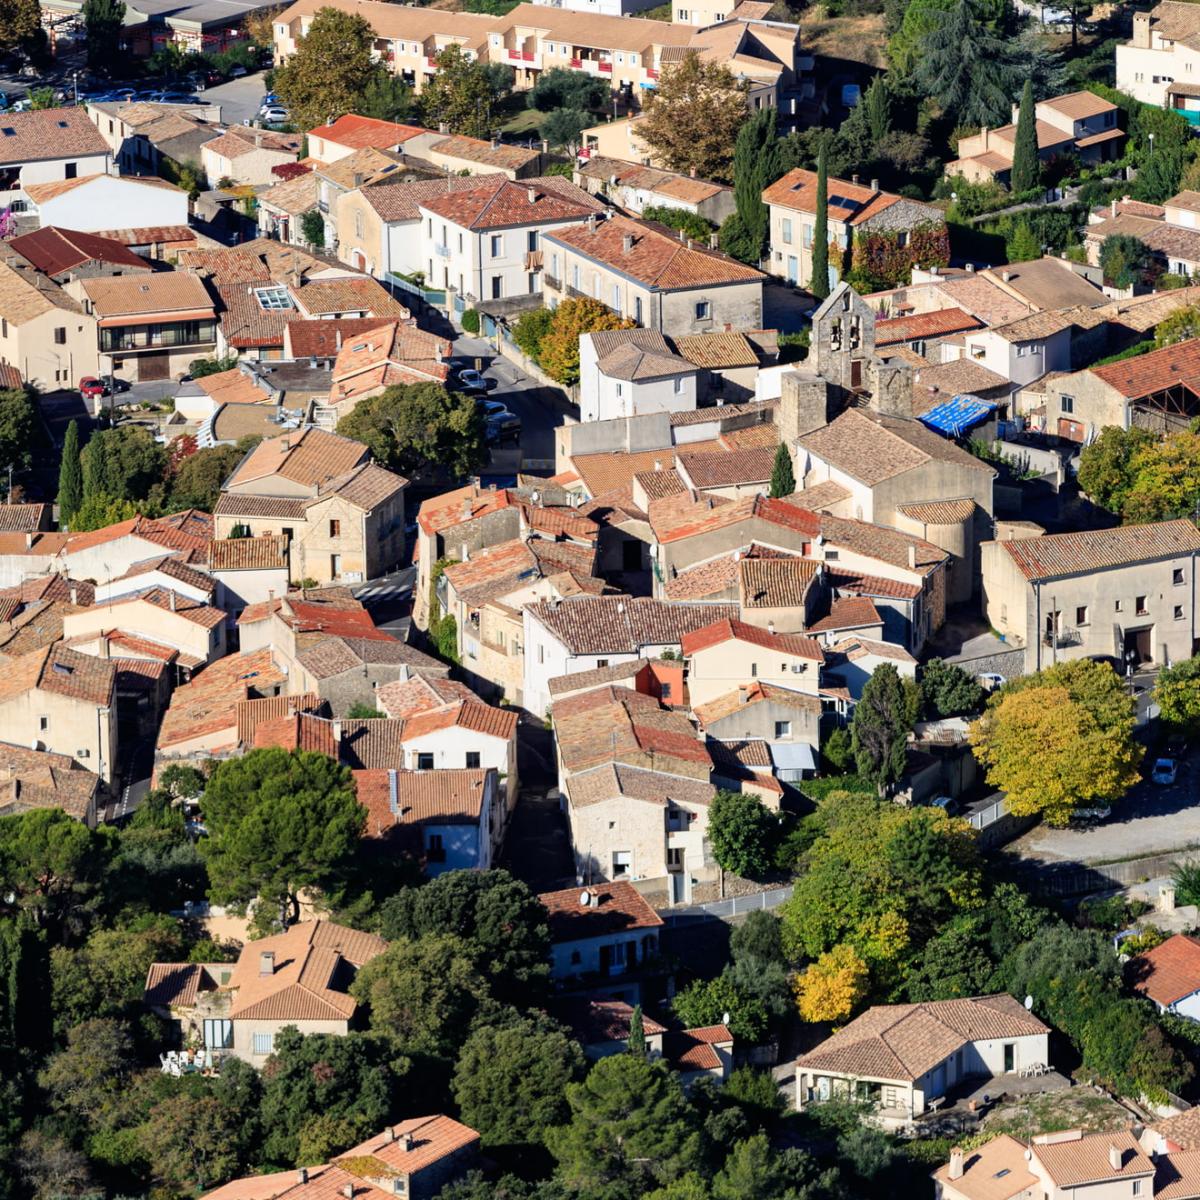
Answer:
(851, 661)
(32, 779)
(342, 514)
(581, 633)
(248, 570)
(246, 156)
(45, 333)
(901, 1057)
(785, 722)
(299, 978)
(60, 700)
(1128, 593)
(663, 283)
(852, 212)
(1023, 350)
(634, 188)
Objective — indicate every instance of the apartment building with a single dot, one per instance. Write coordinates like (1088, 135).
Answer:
(664, 282)
(487, 242)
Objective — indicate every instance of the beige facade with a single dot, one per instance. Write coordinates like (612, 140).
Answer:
(202, 638)
(362, 236)
(718, 669)
(1145, 607)
(44, 333)
(249, 165)
(619, 139)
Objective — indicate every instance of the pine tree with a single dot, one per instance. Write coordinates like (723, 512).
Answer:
(637, 1032)
(783, 478)
(70, 477)
(1025, 148)
(819, 286)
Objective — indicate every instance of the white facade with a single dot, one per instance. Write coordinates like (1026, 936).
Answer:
(459, 846)
(604, 398)
(546, 658)
(238, 589)
(150, 579)
(1149, 62)
(1020, 362)
(488, 264)
(112, 201)
(604, 8)
(55, 170)
(107, 560)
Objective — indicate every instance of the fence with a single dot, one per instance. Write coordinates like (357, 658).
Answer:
(1077, 879)
(734, 906)
(436, 297)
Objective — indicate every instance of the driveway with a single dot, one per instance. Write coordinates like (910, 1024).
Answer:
(1150, 820)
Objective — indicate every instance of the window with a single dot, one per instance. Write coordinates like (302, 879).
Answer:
(287, 532)
(620, 390)
(806, 235)
(273, 299)
(497, 286)
(616, 298)
(1177, 576)
(60, 335)
(637, 309)
(677, 384)
(601, 662)
(43, 723)
(787, 231)
(1119, 606)
(1066, 404)
(4, 327)
(531, 240)
(1179, 612)
(575, 276)
(358, 225)
(783, 729)
(264, 1043)
(1137, 1187)
(460, 246)
(541, 654)
(902, 239)
(71, 171)
(435, 850)
(754, 670)
(1081, 615)
(664, 691)
(622, 860)
(472, 760)
(703, 310)
(424, 762)
(335, 565)
(675, 858)
(218, 1034)
(497, 244)
(1139, 606)
(335, 529)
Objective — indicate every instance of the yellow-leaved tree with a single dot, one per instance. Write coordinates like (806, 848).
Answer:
(833, 986)
(1059, 740)
(558, 352)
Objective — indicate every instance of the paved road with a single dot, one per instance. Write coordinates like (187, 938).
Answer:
(540, 408)
(389, 601)
(1150, 820)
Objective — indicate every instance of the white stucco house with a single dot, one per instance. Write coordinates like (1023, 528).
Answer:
(900, 1057)
(1169, 975)
(631, 372)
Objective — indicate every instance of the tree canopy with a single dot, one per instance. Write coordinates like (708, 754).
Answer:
(458, 95)
(413, 428)
(1177, 694)
(692, 120)
(330, 71)
(739, 829)
(879, 729)
(558, 349)
(1081, 720)
(560, 87)
(123, 463)
(279, 821)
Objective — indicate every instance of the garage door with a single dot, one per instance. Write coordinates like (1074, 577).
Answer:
(154, 366)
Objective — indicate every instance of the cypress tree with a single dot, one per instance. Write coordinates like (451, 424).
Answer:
(754, 168)
(1025, 147)
(783, 478)
(637, 1032)
(819, 286)
(70, 477)
(879, 728)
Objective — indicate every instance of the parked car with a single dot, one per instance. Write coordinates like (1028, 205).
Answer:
(991, 681)
(275, 116)
(472, 381)
(501, 423)
(238, 73)
(946, 803)
(115, 384)
(851, 95)
(1111, 660)
(1165, 771)
(91, 388)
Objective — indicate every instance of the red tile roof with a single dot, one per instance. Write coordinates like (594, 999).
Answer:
(943, 321)
(1169, 972)
(500, 203)
(359, 132)
(612, 908)
(54, 250)
(1156, 371)
(727, 630)
(848, 202)
(1056, 554)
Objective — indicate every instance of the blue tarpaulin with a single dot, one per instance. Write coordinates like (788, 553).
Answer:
(956, 416)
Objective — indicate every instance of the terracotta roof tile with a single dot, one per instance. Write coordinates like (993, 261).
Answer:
(775, 582)
(656, 258)
(1071, 1164)
(594, 1021)
(1169, 972)
(729, 629)
(731, 469)
(614, 908)
(583, 681)
(485, 153)
(50, 133)
(452, 797)
(252, 713)
(622, 624)
(847, 201)
(849, 612)
(1154, 372)
(939, 512)
(208, 704)
(352, 130)
(172, 985)
(267, 552)
(997, 1170)
(309, 458)
(614, 781)
(1058, 554)
(717, 351)
(692, 1049)
(920, 326)
(738, 699)
(400, 201)
(501, 203)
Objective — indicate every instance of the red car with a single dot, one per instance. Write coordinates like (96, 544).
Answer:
(90, 387)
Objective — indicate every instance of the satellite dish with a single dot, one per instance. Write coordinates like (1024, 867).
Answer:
(585, 899)
(1029, 1003)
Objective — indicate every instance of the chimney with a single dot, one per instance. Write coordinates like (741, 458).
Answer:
(689, 243)
(394, 792)
(337, 339)
(970, 268)
(956, 1163)
(173, 600)
(912, 557)
(682, 236)
(258, 137)
(983, 137)
(1166, 898)
(713, 241)
(592, 223)
(337, 733)
(658, 464)
(853, 178)
(531, 192)
(358, 179)
(389, 1134)
(266, 962)
(74, 594)
(104, 646)
(743, 694)
(495, 141)
(302, 1175)
(348, 1191)
(874, 185)
(771, 628)
(29, 541)
(1114, 1157)
(406, 1141)
(627, 243)
(1114, 206)
(1006, 276)
(935, 269)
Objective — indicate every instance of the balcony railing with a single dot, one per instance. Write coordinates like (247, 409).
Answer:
(606, 68)
(551, 281)
(441, 251)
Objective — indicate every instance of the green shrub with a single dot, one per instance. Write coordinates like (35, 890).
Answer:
(470, 321)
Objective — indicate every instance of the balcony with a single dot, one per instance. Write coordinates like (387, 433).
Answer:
(551, 281)
(441, 251)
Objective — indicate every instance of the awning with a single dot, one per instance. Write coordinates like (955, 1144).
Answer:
(956, 416)
(793, 756)
(156, 318)
(1109, 135)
